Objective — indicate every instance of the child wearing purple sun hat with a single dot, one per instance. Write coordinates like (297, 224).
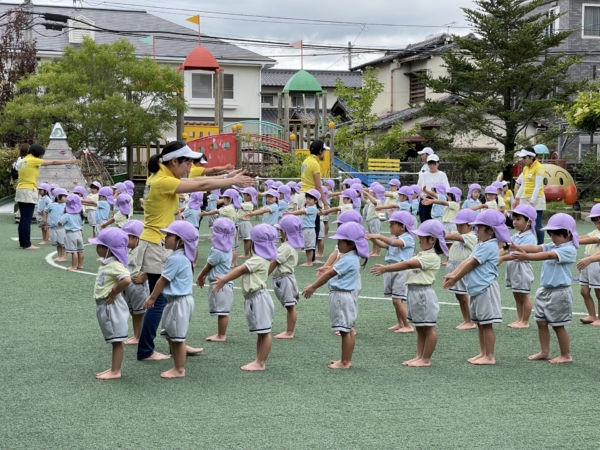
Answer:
(258, 304)
(43, 201)
(376, 197)
(422, 302)
(230, 209)
(249, 195)
(72, 221)
(176, 284)
(122, 212)
(590, 268)
(438, 192)
(52, 215)
(309, 216)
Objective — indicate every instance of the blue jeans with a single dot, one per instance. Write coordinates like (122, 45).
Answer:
(538, 227)
(26, 210)
(151, 321)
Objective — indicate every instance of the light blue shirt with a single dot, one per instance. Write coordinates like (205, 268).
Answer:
(55, 211)
(178, 270)
(43, 203)
(283, 207)
(399, 254)
(470, 202)
(271, 217)
(211, 205)
(438, 210)
(404, 206)
(71, 222)
(102, 211)
(415, 207)
(348, 273)
(526, 238)
(191, 216)
(308, 219)
(557, 272)
(221, 262)
(484, 274)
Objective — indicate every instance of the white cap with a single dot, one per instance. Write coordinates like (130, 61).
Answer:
(184, 152)
(433, 157)
(523, 153)
(326, 147)
(504, 183)
(427, 150)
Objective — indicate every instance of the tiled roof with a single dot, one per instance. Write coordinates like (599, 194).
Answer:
(326, 78)
(142, 24)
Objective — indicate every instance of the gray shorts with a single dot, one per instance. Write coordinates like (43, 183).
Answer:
(321, 231)
(91, 218)
(57, 236)
(590, 276)
(450, 227)
(554, 306)
(113, 319)
(460, 287)
(136, 295)
(244, 229)
(394, 284)
(325, 218)
(357, 289)
(286, 289)
(310, 238)
(176, 317)
(259, 310)
(422, 305)
(219, 303)
(236, 244)
(73, 242)
(39, 219)
(343, 310)
(486, 307)
(374, 226)
(519, 276)
(211, 219)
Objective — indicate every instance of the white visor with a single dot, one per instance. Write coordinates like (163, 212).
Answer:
(523, 153)
(184, 152)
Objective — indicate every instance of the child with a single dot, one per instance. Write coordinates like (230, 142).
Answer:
(519, 274)
(284, 280)
(491, 201)
(345, 217)
(481, 270)
(105, 201)
(130, 187)
(230, 209)
(309, 214)
(473, 197)
(324, 219)
(466, 240)
(590, 269)
(342, 280)
(121, 215)
(349, 201)
(258, 304)
(90, 208)
(404, 203)
(211, 205)
(219, 264)
(72, 222)
(422, 302)
(400, 247)
(414, 205)
(176, 284)
(244, 225)
(271, 210)
(284, 197)
(358, 187)
(451, 208)
(138, 290)
(376, 198)
(191, 213)
(111, 308)
(554, 299)
(52, 215)
(43, 202)
(391, 196)
(438, 193)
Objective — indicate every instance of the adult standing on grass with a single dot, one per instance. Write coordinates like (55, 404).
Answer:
(531, 191)
(425, 153)
(26, 195)
(428, 180)
(164, 186)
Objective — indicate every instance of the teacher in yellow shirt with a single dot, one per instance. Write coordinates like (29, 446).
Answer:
(531, 191)
(198, 169)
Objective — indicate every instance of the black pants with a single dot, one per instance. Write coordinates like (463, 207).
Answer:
(26, 210)
(317, 231)
(424, 212)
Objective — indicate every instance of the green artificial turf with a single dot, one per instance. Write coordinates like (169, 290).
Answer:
(52, 347)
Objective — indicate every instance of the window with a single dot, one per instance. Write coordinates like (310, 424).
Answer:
(267, 100)
(297, 101)
(417, 89)
(203, 86)
(554, 26)
(591, 21)
(228, 88)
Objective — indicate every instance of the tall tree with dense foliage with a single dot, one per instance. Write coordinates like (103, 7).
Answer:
(104, 96)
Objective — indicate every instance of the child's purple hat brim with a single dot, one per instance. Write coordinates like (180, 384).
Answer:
(563, 221)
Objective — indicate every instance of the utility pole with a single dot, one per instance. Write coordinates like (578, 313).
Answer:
(28, 8)
(349, 55)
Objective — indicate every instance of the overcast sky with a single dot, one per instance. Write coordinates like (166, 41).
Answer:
(425, 17)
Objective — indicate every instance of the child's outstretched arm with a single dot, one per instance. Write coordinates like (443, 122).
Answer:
(476, 207)
(323, 279)
(463, 268)
(209, 213)
(331, 260)
(429, 201)
(88, 202)
(522, 255)
(324, 212)
(108, 222)
(233, 275)
(379, 240)
(299, 212)
(584, 262)
(526, 248)
(454, 237)
(202, 275)
(380, 269)
(372, 199)
(430, 193)
(587, 240)
(158, 288)
(258, 212)
(389, 206)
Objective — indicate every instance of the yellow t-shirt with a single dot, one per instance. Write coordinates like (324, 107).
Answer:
(592, 249)
(120, 219)
(196, 172)
(508, 197)
(450, 211)
(29, 170)
(462, 250)
(310, 167)
(430, 264)
(393, 199)
(257, 278)
(230, 212)
(110, 272)
(287, 257)
(161, 205)
(529, 174)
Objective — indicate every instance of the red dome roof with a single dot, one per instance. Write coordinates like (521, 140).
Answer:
(200, 59)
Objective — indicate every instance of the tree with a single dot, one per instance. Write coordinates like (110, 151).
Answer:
(584, 113)
(507, 76)
(104, 96)
(17, 58)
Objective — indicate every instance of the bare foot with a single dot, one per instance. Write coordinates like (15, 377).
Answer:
(285, 335)
(106, 371)
(596, 323)
(512, 324)
(157, 357)
(405, 330)
(539, 356)
(339, 365)
(191, 351)
(320, 255)
(395, 327)
(484, 361)
(80, 268)
(173, 373)
(33, 247)
(587, 320)
(410, 361)
(201, 240)
(561, 359)
(306, 264)
(131, 341)
(475, 358)
(444, 263)
(59, 259)
(253, 367)
(466, 326)
(71, 268)
(518, 325)
(216, 338)
(419, 363)
(316, 261)
(109, 375)
(43, 243)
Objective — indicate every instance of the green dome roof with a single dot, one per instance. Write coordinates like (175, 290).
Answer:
(302, 83)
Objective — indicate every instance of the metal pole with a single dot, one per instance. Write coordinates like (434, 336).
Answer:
(28, 8)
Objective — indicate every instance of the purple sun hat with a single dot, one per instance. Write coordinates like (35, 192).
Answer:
(116, 240)
(293, 186)
(121, 187)
(59, 191)
(473, 187)
(440, 189)
(519, 180)
(80, 190)
(498, 184)
(292, 225)
(223, 233)
(456, 192)
(234, 196)
(406, 190)
(133, 228)
(123, 202)
(299, 184)
(44, 186)
(379, 192)
(272, 193)
(491, 190)
(252, 193)
(268, 183)
(354, 232)
(130, 186)
(108, 193)
(405, 218)
(277, 185)
(352, 195)
(348, 182)
(54, 186)
(595, 212)
(195, 200)
(188, 233)
(527, 211)
(435, 229)
(286, 191)
(416, 189)
(216, 192)
(263, 238)
(464, 216)
(349, 216)
(331, 184)
(73, 204)
(394, 182)
(325, 191)
(562, 221)
(358, 187)
(96, 184)
(495, 219)
(314, 193)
